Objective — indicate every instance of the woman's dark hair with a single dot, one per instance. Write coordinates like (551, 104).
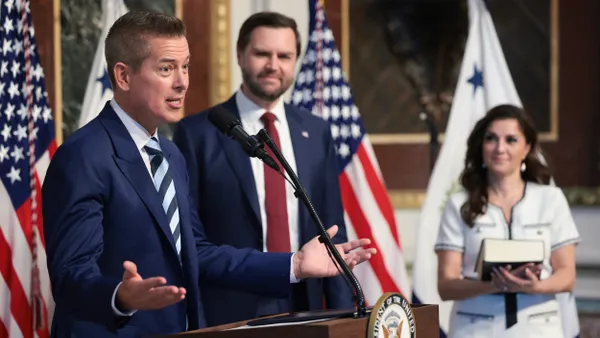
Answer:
(474, 175)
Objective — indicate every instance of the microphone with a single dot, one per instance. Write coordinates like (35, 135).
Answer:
(229, 125)
(334, 254)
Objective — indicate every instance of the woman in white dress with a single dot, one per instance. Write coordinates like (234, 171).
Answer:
(505, 195)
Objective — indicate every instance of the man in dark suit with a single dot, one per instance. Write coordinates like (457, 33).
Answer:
(246, 204)
(125, 247)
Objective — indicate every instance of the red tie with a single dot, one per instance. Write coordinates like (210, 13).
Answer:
(278, 232)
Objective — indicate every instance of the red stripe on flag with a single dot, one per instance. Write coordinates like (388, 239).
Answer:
(362, 228)
(52, 148)
(24, 216)
(379, 192)
(3, 330)
(19, 306)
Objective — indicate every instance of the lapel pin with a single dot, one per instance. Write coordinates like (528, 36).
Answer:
(305, 133)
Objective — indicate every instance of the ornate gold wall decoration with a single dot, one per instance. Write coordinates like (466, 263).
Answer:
(219, 76)
(58, 99)
(407, 199)
(179, 9)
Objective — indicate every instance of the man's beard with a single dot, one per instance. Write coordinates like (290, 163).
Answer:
(257, 91)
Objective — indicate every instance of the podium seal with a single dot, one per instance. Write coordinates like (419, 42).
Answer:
(391, 317)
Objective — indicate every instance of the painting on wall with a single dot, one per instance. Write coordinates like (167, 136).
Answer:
(404, 59)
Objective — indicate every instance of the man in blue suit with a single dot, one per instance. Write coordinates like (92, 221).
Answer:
(244, 203)
(125, 247)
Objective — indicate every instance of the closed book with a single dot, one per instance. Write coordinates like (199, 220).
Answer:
(502, 252)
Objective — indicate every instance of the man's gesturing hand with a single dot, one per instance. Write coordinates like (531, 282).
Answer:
(136, 293)
(313, 261)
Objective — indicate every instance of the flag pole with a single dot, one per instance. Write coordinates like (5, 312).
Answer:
(58, 96)
(427, 117)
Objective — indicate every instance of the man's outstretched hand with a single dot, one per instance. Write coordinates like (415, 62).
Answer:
(313, 261)
(136, 293)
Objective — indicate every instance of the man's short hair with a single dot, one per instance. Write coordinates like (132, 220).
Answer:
(127, 39)
(267, 19)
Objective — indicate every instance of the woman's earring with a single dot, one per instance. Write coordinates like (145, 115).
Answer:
(483, 165)
(523, 166)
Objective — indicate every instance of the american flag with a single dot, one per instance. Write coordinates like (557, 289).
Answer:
(321, 88)
(26, 145)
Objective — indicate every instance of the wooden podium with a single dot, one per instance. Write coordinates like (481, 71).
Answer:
(426, 325)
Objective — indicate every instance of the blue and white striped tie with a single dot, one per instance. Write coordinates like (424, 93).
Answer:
(163, 182)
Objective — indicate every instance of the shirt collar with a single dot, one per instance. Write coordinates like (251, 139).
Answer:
(251, 112)
(138, 133)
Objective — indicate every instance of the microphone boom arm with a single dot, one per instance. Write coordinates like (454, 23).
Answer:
(361, 310)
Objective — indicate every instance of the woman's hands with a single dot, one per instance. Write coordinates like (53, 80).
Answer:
(523, 279)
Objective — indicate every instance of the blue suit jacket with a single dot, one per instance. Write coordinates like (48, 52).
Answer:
(100, 208)
(223, 186)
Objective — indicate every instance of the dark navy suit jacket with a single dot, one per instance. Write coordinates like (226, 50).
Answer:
(100, 208)
(224, 189)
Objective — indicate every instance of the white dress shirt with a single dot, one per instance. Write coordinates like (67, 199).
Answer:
(250, 116)
(138, 133)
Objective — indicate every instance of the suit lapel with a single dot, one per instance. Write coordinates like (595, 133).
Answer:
(130, 162)
(240, 163)
(301, 143)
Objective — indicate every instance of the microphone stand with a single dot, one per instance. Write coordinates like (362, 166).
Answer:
(359, 298)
